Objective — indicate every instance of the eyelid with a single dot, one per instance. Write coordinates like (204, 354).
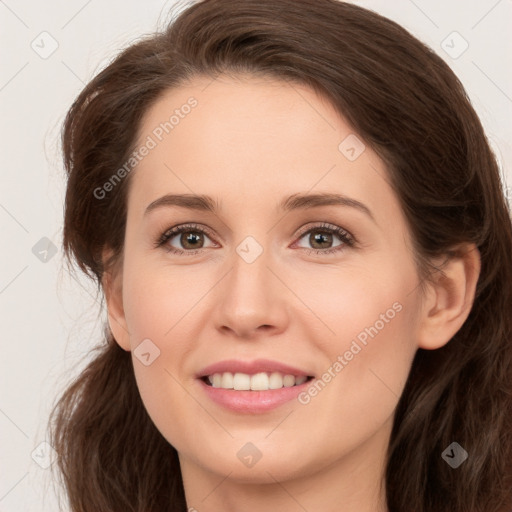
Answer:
(347, 239)
(324, 225)
(345, 236)
(176, 230)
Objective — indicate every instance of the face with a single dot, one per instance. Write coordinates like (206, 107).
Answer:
(326, 288)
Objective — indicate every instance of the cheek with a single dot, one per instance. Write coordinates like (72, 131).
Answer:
(372, 305)
(369, 378)
(159, 307)
(157, 300)
(373, 316)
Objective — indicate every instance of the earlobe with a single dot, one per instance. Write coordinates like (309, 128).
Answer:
(449, 298)
(112, 288)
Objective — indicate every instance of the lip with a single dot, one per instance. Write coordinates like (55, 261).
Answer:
(251, 367)
(252, 402)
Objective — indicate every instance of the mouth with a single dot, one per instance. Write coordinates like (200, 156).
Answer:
(252, 387)
(262, 381)
(256, 393)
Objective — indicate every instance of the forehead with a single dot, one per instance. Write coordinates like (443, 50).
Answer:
(250, 137)
(234, 110)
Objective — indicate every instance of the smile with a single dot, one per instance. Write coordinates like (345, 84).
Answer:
(262, 381)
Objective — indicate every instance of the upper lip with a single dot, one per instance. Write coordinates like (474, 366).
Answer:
(250, 367)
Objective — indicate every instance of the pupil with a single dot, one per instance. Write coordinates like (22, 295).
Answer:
(189, 238)
(318, 238)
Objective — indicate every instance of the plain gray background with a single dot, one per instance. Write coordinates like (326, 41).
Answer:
(50, 319)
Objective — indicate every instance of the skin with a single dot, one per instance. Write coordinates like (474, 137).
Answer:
(249, 143)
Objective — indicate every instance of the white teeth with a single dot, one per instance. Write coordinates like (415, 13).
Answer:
(216, 382)
(300, 380)
(227, 380)
(288, 381)
(258, 382)
(275, 380)
(241, 382)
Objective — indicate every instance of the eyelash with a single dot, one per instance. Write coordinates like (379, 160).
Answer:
(347, 239)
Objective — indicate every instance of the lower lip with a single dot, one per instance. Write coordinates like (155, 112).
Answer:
(253, 401)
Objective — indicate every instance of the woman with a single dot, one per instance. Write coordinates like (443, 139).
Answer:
(300, 231)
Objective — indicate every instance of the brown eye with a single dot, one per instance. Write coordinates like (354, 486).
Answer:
(321, 239)
(188, 238)
(191, 239)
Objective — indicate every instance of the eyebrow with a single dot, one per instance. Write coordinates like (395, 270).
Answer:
(293, 202)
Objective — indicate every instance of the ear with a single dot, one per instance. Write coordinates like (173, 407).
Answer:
(449, 297)
(112, 281)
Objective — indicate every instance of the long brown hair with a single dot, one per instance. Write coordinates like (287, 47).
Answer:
(403, 101)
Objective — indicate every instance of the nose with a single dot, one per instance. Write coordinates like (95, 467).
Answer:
(251, 299)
